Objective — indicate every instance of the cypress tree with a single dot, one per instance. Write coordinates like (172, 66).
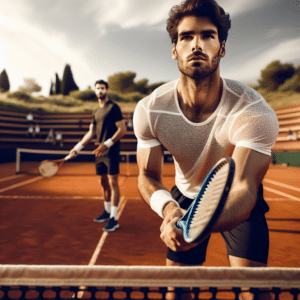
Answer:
(68, 84)
(57, 84)
(4, 81)
(51, 88)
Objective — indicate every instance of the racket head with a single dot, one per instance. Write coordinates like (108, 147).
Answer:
(207, 206)
(48, 168)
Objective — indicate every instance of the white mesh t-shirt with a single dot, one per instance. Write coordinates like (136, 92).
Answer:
(242, 118)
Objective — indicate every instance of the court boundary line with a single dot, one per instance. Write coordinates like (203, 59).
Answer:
(281, 193)
(105, 234)
(39, 197)
(293, 188)
(11, 187)
(101, 242)
(11, 177)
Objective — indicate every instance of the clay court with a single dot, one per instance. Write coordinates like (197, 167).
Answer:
(50, 220)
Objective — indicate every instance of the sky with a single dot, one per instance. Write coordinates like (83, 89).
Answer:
(99, 38)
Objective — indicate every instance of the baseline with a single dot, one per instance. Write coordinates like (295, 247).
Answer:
(14, 186)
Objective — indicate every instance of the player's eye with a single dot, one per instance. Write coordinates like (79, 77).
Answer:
(208, 36)
(186, 37)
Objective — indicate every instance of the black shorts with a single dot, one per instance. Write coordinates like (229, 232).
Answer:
(249, 240)
(107, 165)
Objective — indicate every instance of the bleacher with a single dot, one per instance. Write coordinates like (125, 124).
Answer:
(289, 129)
(14, 130)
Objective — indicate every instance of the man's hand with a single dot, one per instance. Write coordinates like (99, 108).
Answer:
(73, 153)
(171, 235)
(100, 150)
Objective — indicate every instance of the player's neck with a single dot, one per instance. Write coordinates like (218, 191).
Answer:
(102, 102)
(199, 100)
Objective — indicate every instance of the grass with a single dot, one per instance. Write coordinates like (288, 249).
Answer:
(54, 104)
(281, 100)
(68, 104)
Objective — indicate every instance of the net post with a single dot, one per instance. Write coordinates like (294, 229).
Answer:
(18, 157)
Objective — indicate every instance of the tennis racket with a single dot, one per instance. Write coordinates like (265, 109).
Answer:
(204, 211)
(49, 168)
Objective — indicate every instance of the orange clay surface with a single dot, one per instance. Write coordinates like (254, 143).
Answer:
(50, 221)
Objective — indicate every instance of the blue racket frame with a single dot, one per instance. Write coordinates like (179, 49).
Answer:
(185, 222)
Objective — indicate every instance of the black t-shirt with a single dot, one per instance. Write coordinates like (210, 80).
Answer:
(104, 120)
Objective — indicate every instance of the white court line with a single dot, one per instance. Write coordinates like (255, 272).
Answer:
(35, 197)
(293, 188)
(275, 199)
(101, 243)
(281, 193)
(14, 186)
(11, 177)
(104, 235)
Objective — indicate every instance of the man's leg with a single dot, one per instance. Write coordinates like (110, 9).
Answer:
(105, 186)
(112, 224)
(114, 187)
(185, 293)
(242, 262)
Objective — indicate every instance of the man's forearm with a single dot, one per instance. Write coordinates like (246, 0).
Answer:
(237, 209)
(147, 185)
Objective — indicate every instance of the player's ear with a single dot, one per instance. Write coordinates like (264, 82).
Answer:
(222, 51)
(174, 52)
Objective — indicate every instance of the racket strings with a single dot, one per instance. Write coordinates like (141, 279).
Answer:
(48, 168)
(208, 200)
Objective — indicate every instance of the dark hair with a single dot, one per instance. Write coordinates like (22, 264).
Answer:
(102, 82)
(199, 8)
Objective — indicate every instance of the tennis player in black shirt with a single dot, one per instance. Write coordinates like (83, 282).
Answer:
(109, 126)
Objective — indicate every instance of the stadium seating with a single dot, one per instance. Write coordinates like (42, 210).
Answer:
(289, 129)
(14, 130)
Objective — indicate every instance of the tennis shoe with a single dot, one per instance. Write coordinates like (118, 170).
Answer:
(112, 225)
(102, 218)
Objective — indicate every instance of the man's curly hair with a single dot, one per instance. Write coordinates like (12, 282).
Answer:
(199, 8)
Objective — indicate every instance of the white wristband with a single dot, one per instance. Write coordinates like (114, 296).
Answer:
(108, 143)
(159, 199)
(78, 147)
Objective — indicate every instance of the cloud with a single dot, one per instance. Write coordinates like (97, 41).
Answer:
(43, 52)
(235, 8)
(133, 13)
(286, 52)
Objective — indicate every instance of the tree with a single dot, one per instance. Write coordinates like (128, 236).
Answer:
(57, 85)
(4, 82)
(122, 82)
(68, 84)
(154, 86)
(51, 89)
(275, 74)
(30, 86)
(142, 86)
(292, 84)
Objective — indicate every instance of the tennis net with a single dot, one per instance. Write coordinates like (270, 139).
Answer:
(145, 282)
(28, 160)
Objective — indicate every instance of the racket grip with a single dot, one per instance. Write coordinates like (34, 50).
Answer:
(68, 157)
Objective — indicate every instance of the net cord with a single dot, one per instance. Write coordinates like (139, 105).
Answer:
(127, 154)
(150, 276)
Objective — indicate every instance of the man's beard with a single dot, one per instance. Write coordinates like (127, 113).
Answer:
(199, 72)
(102, 96)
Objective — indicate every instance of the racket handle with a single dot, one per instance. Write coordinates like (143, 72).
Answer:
(68, 157)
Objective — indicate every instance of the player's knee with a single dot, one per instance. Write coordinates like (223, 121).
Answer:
(103, 180)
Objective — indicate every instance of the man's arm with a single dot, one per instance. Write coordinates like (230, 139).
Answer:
(251, 167)
(84, 141)
(150, 163)
(120, 132)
